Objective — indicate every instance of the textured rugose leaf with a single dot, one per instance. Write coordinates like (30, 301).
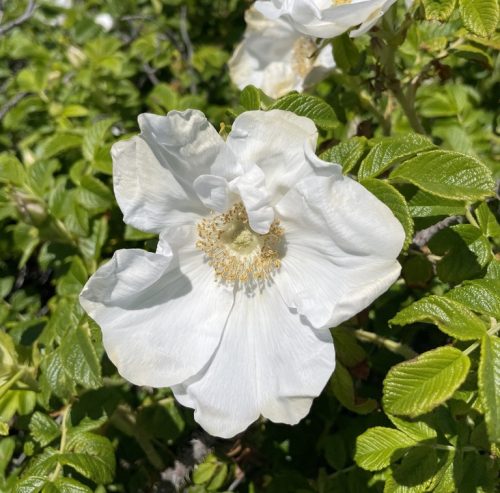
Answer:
(489, 384)
(395, 201)
(320, 112)
(424, 204)
(418, 386)
(438, 9)
(69, 485)
(377, 447)
(80, 359)
(487, 221)
(391, 151)
(447, 174)
(94, 138)
(480, 16)
(31, 484)
(250, 98)
(480, 295)
(347, 153)
(450, 316)
(43, 428)
(415, 429)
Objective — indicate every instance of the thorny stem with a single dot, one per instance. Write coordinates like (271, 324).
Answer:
(395, 347)
(62, 444)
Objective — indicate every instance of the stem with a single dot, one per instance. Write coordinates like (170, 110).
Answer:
(9, 383)
(476, 344)
(395, 347)
(470, 217)
(407, 103)
(62, 444)
(342, 471)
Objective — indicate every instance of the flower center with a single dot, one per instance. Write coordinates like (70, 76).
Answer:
(303, 56)
(234, 250)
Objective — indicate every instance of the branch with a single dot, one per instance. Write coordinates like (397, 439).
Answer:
(395, 347)
(11, 103)
(424, 236)
(30, 8)
(188, 45)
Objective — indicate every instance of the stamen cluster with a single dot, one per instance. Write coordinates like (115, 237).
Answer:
(234, 250)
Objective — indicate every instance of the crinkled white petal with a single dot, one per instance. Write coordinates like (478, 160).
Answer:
(342, 245)
(161, 314)
(324, 18)
(153, 173)
(276, 58)
(268, 363)
(277, 142)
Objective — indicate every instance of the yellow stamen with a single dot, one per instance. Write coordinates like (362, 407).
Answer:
(234, 250)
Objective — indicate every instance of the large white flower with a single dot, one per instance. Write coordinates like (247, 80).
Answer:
(262, 248)
(326, 18)
(276, 58)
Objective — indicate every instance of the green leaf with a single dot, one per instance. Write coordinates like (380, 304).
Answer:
(347, 349)
(320, 112)
(11, 170)
(395, 201)
(489, 384)
(343, 389)
(31, 484)
(390, 151)
(487, 221)
(94, 138)
(347, 153)
(424, 204)
(69, 485)
(347, 55)
(451, 317)
(80, 359)
(416, 429)
(43, 429)
(465, 250)
(480, 16)
(416, 472)
(204, 472)
(447, 174)
(94, 194)
(438, 9)
(250, 98)
(378, 447)
(58, 144)
(418, 386)
(480, 295)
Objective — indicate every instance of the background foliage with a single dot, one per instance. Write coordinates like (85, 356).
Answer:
(411, 111)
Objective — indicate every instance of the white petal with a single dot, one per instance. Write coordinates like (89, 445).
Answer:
(277, 142)
(268, 363)
(213, 191)
(153, 173)
(341, 252)
(161, 322)
(252, 190)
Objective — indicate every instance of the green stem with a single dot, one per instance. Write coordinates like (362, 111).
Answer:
(342, 471)
(62, 444)
(395, 347)
(476, 344)
(10, 383)
(470, 217)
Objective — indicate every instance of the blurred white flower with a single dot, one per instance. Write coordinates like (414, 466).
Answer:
(105, 21)
(326, 18)
(276, 58)
(262, 248)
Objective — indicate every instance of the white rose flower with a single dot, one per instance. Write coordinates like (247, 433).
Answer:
(276, 58)
(262, 248)
(326, 18)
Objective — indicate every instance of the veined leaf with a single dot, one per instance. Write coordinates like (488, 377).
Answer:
(43, 428)
(438, 9)
(418, 386)
(377, 447)
(487, 221)
(395, 201)
(320, 112)
(489, 384)
(94, 138)
(480, 295)
(416, 429)
(424, 204)
(347, 153)
(447, 174)
(480, 16)
(450, 316)
(250, 98)
(391, 151)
